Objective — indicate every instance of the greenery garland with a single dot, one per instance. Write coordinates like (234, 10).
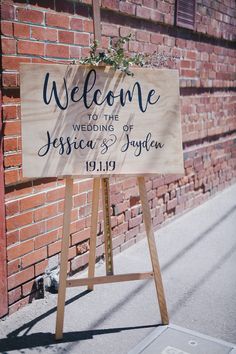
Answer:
(117, 59)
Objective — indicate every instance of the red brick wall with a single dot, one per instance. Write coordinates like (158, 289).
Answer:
(34, 208)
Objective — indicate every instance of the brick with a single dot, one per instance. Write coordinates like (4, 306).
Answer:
(86, 185)
(143, 36)
(17, 221)
(78, 225)
(44, 34)
(54, 248)
(76, 24)
(117, 241)
(12, 128)
(31, 202)
(10, 96)
(12, 207)
(82, 39)
(30, 48)
(185, 64)
(9, 112)
(14, 295)
(171, 204)
(73, 252)
(21, 30)
(121, 207)
(126, 31)
(135, 46)
(54, 195)
(120, 229)
(149, 3)
(169, 41)
(45, 212)
(28, 288)
(13, 63)
(13, 267)
(20, 278)
(188, 73)
(54, 223)
(127, 8)
(110, 30)
(161, 190)
(9, 80)
(45, 239)
(143, 12)
(17, 305)
(157, 16)
(18, 250)
(156, 38)
(79, 261)
(191, 55)
(32, 230)
(28, 15)
(85, 52)
(7, 11)
(41, 267)
(159, 219)
(80, 236)
(8, 46)
(88, 26)
(66, 37)
(75, 52)
(81, 248)
(135, 221)
(149, 48)
(34, 257)
(57, 20)
(57, 50)
(6, 28)
(13, 237)
(111, 4)
(11, 177)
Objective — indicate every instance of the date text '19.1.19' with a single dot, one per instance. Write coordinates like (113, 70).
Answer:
(100, 166)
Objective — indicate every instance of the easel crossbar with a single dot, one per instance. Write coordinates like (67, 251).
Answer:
(108, 279)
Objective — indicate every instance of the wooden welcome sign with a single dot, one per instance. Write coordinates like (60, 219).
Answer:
(94, 121)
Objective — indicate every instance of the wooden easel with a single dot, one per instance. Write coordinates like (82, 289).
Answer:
(110, 277)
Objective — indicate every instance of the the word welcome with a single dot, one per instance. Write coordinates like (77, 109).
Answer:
(89, 95)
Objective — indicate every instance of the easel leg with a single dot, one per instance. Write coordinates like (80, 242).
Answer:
(64, 257)
(107, 226)
(153, 251)
(93, 231)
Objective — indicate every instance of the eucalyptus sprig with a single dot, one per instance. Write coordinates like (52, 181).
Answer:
(115, 56)
(117, 59)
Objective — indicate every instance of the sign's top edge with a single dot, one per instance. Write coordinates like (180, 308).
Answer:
(97, 66)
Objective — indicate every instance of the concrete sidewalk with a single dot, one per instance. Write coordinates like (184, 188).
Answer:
(198, 258)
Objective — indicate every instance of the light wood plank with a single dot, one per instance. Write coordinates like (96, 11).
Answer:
(97, 21)
(109, 279)
(64, 258)
(137, 143)
(107, 226)
(93, 230)
(153, 251)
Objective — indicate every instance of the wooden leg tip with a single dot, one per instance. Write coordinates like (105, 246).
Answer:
(58, 337)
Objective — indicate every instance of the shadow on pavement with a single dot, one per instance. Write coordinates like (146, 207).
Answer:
(17, 340)
(48, 339)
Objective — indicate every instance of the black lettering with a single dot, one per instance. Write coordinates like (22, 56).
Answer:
(54, 93)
